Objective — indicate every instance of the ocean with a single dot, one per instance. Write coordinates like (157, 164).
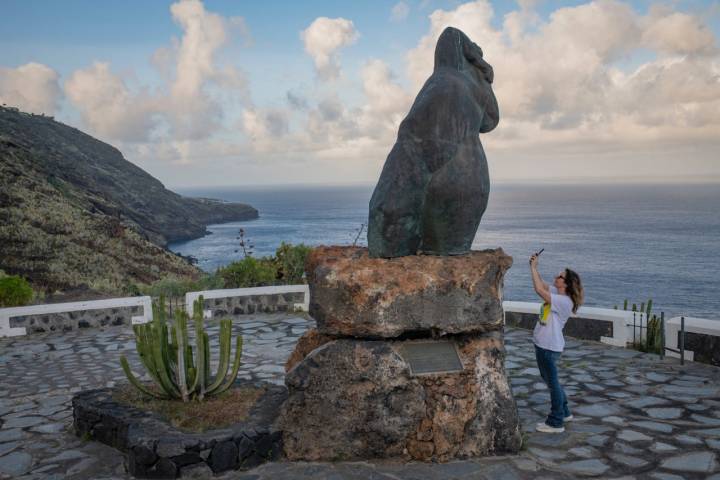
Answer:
(626, 241)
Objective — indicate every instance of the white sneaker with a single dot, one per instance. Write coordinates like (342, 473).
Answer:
(545, 428)
(569, 418)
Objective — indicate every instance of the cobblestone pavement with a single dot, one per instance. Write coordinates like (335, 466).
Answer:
(635, 415)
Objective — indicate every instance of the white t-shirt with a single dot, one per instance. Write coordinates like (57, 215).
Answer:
(549, 336)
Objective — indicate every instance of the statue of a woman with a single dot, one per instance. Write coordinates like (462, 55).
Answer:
(434, 186)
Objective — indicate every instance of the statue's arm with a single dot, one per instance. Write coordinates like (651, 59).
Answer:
(491, 111)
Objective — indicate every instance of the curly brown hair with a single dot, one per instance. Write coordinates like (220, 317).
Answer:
(574, 288)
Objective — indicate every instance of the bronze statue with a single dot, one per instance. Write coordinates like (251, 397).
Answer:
(434, 186)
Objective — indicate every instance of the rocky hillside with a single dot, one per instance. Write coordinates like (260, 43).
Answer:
(74, 214)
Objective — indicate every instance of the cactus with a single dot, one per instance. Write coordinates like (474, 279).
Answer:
(649, 307)
(653, 342)
(171, 364)
(625, 304)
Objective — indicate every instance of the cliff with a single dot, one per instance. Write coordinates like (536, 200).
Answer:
(75, 214)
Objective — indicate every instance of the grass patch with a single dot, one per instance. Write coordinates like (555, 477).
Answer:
(524, 441)
(228, 408)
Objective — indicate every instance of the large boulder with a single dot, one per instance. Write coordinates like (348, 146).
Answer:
(354, 295)
(308, 342)
(356, 399)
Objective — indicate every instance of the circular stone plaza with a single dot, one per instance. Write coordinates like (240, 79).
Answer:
(636, 415)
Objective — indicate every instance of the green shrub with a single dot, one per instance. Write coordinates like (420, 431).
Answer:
(250, 272)
(174, 287)
(291, 262)
(14, 291)
(287, 267)
(170, 287)
(209, 282)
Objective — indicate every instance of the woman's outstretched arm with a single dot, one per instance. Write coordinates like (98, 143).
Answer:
(541, 288)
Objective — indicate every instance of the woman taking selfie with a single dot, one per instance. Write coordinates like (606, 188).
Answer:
(561, 299)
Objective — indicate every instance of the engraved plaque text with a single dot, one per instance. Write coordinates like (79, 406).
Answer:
(431, 357)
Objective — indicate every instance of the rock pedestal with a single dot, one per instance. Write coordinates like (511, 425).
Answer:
(407, 360)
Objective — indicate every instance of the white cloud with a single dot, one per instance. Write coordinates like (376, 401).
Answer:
(399, 11)
(589, 80)
(472, 18)
(265, 125)
(386, 102)
(323, 38)
(32, 87)
(107, 105)
(182, 109)
(566, 97)
(677, 33)
(561, 85)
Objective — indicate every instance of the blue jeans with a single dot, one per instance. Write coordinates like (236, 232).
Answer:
(547, 364)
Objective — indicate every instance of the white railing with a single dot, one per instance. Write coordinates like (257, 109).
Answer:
(622, 320)
(146, 302)
(625, 327)
(190, 297)
(7, 313)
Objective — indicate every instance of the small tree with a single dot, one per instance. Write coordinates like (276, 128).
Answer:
(245, 245)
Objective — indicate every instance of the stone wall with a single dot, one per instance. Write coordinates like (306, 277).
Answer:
(705, 348)
(66, 321)
(264, 303)
(577, 327)
(156, 449)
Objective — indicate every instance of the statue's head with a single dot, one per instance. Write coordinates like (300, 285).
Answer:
(455, 50)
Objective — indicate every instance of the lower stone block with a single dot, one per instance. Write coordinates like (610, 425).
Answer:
(358, 399)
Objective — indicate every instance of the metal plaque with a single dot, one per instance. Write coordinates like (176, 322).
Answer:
(431, 357)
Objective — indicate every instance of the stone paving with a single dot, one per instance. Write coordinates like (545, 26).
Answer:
(636, 416)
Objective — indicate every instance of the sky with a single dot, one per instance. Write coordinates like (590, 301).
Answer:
(226, 93)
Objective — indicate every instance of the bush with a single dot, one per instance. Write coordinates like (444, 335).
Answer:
(250, 272)
(287, 267)
(173, 287)
(14, 291)
(169, 287)
(209, 282)
(290, 260)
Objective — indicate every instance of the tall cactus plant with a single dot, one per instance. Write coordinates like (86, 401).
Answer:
(170, 361)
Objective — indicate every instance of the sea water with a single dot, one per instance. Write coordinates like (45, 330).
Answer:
(632, 242)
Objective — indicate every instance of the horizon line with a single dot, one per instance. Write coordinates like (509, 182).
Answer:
(580, 181)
